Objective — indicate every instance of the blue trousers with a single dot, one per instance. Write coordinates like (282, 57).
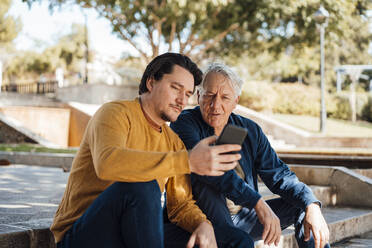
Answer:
(213, 204)
(130, 215)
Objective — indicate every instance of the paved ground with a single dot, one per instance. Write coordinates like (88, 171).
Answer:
(29, 196)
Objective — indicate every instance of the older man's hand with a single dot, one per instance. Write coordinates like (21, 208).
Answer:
(209, 160)
(315, 222)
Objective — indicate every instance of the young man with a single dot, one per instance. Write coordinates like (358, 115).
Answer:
(233, 199)
(128, 156)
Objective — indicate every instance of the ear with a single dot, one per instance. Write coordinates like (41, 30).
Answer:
(150, 83)
(198, 94)
(237, 100)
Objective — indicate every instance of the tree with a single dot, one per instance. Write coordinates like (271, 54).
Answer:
(67, 53)
(196, 28)
(287, 47)
(190, 27)
(9, 26)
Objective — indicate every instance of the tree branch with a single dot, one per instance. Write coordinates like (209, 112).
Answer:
(184, 44)
(151, 39)
(210, 43)
(171, 36)
(143, 54)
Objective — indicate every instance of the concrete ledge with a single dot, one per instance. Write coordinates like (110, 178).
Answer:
(31, 238)
(328, 160)
(60, 160)
(16, 125)
(342, 224)
(16, 99)
(299, 137)
(351, 188)
(97, 93)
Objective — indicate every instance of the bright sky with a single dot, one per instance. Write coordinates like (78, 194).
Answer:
(42, 28)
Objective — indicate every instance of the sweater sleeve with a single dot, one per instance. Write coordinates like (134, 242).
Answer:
(181, 208)
(107, 134)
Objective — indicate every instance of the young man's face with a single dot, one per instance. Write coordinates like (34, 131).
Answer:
(217, 100)
(171, 93)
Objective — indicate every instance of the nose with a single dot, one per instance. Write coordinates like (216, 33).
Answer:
(182, 99)
(216, 102)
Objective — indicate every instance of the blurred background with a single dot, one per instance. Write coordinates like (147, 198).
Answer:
(73, 50)
(306, 67)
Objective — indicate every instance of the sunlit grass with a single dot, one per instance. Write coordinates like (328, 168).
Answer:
(334, 127)
(32, 148)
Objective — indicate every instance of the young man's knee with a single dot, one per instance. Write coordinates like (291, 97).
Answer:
(142, 192)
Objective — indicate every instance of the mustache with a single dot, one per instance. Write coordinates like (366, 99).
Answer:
(179, 107)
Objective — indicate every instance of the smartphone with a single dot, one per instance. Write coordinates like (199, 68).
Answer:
(232, 134)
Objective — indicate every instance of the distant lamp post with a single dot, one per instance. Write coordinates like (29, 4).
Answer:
(321, 18)
(86, 45)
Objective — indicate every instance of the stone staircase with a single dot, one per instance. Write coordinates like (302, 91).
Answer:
(279, 143)
(345, 223)
(29, 196)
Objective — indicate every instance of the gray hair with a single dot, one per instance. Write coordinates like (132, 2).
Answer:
(236, 81)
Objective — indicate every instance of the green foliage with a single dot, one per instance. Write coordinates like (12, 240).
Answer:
(9, 26)
(224, 27)
(289, 48)
(281, 98)
(296, 99)
(258, 96)
(367, 110)
(32, 148)
(191, 27)
(342, 109)
(299, 99)
(67, 53)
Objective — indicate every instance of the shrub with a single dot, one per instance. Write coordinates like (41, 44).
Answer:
(296, 99)
(367, 110)
(258, 96)
(300, 99)
(342, 109)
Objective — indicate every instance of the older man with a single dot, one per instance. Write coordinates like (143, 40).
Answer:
(233, 199)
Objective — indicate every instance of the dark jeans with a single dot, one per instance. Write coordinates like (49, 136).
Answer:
(213, 204)
(130, 215)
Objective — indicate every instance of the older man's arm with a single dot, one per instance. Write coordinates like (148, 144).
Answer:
(282, 181)
(278, 177)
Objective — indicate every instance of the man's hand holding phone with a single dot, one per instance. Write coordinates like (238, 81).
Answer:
(207, 159)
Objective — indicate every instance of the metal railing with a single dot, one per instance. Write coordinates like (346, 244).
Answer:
(31, 88)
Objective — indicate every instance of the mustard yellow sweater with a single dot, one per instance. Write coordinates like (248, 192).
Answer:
(120, 145)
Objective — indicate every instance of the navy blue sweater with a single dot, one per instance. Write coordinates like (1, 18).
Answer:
(258, 158)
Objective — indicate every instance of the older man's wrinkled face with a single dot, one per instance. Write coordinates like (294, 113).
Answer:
(217, 100)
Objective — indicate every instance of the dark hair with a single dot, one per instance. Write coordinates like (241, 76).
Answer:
(163, 64)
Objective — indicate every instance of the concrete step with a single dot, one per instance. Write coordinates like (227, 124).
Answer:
(343, 223)
(29, 196)
(325, 194)
(360, 241)
(279, 143)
